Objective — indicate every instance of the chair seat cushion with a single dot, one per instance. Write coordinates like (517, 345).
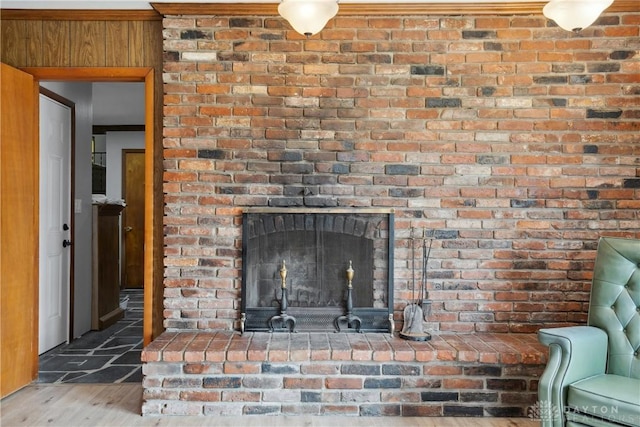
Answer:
(610, 397)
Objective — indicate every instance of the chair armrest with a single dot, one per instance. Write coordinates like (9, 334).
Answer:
(575, 352)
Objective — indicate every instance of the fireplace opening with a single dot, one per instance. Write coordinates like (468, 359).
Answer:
(317, 270)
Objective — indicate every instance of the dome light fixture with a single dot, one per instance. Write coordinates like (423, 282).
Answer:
(575, 15)
(308, 17)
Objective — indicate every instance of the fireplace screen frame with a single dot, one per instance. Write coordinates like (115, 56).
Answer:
(370, 319)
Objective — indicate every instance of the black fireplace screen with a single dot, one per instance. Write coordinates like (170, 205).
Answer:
(317, 270)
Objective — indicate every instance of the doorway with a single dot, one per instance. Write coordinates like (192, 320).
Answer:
(133, 219)
(21, 357)
(107, 349)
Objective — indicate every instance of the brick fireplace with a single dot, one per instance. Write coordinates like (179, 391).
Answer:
(514, 142)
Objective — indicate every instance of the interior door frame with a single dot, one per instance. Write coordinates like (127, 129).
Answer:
(126, 151)
(120, 75)
(72, 190)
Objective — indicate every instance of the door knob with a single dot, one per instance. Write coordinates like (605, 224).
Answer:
(66, 243)
(65, 227)
(128, 228)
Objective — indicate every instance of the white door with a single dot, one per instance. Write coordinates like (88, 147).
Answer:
(55, 194)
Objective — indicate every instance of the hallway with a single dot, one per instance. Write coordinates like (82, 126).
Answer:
(108, 356)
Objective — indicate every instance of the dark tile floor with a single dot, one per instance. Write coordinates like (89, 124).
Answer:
(108, 356)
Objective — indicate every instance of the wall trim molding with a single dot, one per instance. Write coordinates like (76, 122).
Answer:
(271, 9)
(102, 129)
(79, 15)
(377, 9)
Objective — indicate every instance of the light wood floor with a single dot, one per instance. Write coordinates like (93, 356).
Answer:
(94, 405)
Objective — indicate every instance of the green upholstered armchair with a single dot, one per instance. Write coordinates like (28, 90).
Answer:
(593, 374)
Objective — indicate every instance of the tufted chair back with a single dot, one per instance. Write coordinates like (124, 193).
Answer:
(615, 303)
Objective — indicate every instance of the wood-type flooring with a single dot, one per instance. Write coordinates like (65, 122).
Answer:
(95, 405)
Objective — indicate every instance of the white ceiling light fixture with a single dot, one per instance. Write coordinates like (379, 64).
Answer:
(308, 17)
(575, 15)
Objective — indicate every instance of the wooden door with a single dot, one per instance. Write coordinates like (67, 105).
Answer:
(18, 229)
(133, 218)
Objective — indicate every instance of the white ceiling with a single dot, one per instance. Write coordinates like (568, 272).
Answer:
(141, 4)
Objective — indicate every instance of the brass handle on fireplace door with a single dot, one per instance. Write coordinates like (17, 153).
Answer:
(128, 228)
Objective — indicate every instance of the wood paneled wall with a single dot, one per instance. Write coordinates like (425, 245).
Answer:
(96, 39)
(46, 43)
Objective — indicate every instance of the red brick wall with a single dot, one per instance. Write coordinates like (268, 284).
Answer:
(515, 143)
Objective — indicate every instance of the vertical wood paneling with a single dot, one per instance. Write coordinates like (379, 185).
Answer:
(152, 44)
(13, 51)
(88, 44)
(55, 44)
(51, 43)
(117, 43)
(136, 43)
(33, 42)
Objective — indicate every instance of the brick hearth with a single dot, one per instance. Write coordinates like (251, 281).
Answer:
(225, 373)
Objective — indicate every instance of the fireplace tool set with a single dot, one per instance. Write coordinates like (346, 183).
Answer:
(418, 310)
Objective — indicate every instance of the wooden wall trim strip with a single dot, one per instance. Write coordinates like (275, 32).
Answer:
(79, 15)
(89, 74)
(152, 195)
(351, 9)
(270, 9)
(102, 129)
(443, 9)
(378, 9)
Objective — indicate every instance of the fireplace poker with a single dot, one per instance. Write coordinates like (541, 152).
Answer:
(413, 328)
(424, 301)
